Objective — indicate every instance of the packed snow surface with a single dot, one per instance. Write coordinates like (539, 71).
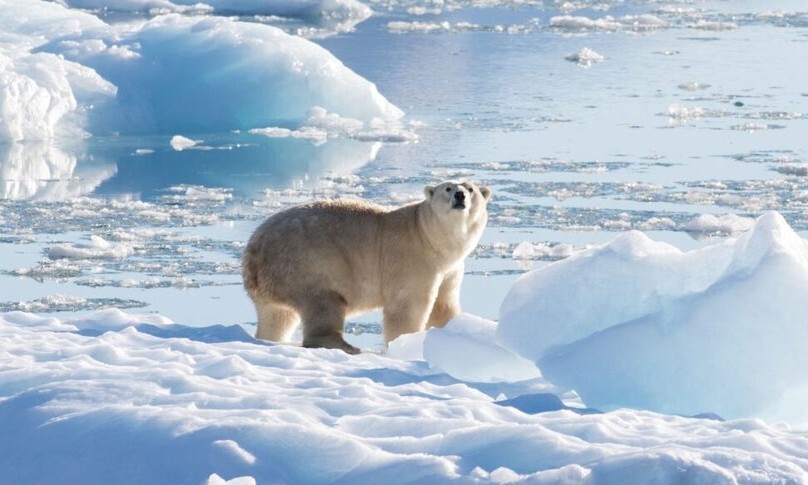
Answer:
(119, 398)
(721, 329)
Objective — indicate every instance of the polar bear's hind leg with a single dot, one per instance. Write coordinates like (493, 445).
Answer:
(275, 322)
(323, 317)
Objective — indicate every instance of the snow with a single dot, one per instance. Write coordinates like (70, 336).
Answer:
(112, 397)
(65, 71)
(642, 324)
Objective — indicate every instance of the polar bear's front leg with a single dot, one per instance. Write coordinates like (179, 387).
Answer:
(408, 311)
(447, 304)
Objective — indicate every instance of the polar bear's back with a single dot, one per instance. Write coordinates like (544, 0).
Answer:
(324, 244)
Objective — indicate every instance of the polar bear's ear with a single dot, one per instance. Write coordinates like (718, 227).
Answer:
(428, 191)
(485, 191)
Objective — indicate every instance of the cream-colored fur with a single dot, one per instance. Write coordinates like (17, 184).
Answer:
(322, 261)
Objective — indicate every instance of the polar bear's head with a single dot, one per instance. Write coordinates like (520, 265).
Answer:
(458, 199)
(456, 217)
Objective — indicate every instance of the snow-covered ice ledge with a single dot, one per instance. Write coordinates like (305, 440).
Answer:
(120, 398)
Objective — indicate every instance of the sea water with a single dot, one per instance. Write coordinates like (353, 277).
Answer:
(585, 122)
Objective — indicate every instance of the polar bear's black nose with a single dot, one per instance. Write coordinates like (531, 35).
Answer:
(459, 196)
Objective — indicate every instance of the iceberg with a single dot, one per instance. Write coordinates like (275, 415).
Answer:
(638, 323)
(65, 71)
(209, 74)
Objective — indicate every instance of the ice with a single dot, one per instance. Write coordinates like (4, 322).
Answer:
(66, 71)
(245, 66)
(339, 15)
(642, 324)
(585, 57)
(322, 125)
(402, 27)
(180, 143)
(97, 248)
(527, 251)
(143, 400)
(465, 349)
(68, 303)
(632, 23)
(725, 224)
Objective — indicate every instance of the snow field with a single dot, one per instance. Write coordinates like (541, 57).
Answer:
(112, 397)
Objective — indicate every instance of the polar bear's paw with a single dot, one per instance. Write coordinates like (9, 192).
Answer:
(331, 341)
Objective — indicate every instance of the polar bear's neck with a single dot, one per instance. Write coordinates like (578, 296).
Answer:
(449, 242)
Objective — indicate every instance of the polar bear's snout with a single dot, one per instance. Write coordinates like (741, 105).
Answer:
(459, 199)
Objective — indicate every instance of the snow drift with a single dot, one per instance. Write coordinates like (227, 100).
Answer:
(638, 323)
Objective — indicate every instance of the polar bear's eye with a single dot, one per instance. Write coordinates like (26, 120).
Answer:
(448, 189)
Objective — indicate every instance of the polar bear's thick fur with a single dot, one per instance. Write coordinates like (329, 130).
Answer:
(325, 260)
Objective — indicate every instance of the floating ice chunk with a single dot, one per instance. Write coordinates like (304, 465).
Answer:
(693, 86)
(679, 112)
(527, 251)
(190, 193)
(217, 480)
(639, 323)
(322, 125)
(633, 23)
(792, 169)
(726, 224)
(585, 57)
(714, 26)
(97, 248)
(180, 143)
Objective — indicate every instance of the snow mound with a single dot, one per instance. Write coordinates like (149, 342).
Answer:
(638, 323)
(130, 399)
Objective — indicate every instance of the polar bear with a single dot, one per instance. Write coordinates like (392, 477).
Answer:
(323, 261)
